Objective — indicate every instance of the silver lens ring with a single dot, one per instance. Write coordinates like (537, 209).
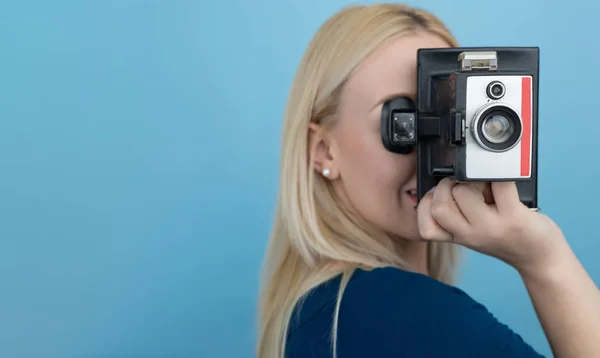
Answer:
(497, 127)
(495, 90)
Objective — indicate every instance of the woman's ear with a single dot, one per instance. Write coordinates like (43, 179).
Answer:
(319, 142)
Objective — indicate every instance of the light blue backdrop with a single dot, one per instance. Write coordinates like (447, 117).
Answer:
(138, 164)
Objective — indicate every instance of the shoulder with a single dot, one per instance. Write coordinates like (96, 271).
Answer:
(390, 294)
(409, 304)
(391, 312)
(389, 284)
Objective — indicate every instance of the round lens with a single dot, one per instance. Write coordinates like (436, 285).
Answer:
(497, 90)
(497, 128)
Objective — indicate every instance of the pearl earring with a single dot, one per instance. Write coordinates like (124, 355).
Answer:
(326, 172)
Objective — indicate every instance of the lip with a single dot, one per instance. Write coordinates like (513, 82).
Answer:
(412, 194)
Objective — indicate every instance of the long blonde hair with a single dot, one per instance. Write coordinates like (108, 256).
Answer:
(312, 228)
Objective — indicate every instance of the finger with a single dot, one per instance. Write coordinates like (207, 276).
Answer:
(445, 211)
(487, 194)
(429, 229)
(471, 202)
(479, 186)
(485, 188)
(506, 196)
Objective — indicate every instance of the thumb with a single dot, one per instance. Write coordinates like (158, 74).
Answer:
(506, 196)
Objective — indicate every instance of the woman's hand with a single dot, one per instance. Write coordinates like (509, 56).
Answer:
(490, 218)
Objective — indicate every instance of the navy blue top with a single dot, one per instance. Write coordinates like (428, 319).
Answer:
(388, 312)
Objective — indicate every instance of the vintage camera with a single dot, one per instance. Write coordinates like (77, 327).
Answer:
(475, 118)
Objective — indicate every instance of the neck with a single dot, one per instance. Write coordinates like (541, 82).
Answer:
(415, 253)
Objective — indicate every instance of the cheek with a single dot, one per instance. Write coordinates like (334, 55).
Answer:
(367, 165)
(371, 179)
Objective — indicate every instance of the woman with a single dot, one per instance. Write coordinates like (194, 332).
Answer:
(353, 270)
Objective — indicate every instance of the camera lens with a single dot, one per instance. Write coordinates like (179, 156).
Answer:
(496, 90)
(497, 127)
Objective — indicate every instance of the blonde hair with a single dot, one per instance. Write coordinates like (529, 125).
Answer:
(312, 228)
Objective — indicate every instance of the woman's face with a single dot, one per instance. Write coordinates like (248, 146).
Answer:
(379, 184)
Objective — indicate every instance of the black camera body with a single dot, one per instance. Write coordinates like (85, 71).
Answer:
(476, 118)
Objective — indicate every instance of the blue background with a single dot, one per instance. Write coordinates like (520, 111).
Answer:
(138, 164)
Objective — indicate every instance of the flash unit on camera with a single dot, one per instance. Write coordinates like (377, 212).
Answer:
(478, 60)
